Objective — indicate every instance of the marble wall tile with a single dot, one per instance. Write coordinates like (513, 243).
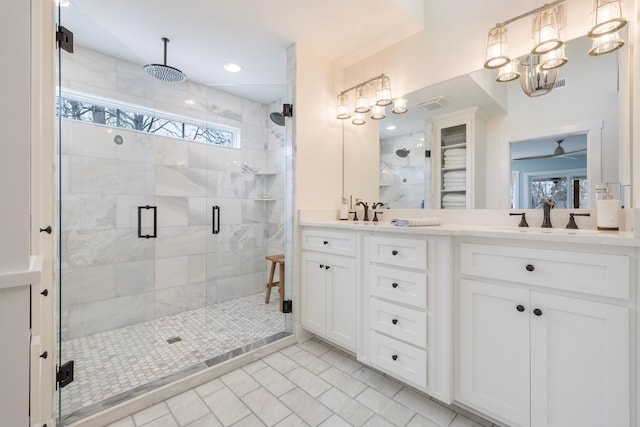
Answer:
(109, 314)
(231, 210)
(105, 176)
(136, 146)
(254, 137)
(87, 211)
(254, 113)
(197, 155)
(238, 237)
(237, 287)
(224, 158)
(135, 277)
(171, 272)
(234, 184)
(171, 151)
(133, 84)
(199, 214)
(172, 211)
(255, 158)
(90, 68)
(87, 140)
(127, 210)
(197, 268)
(180, 298)
(180, 181)
(82, 285)
(223, 105)
(176, 241)
(94, 247)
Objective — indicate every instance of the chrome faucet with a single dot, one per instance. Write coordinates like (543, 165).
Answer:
(365, 206)
(547, 203)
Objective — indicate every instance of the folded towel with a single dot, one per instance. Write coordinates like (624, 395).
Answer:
(455, 174)
(454, 197)
(447, 179)
(455, 152)
(455, 187)
(416, 222)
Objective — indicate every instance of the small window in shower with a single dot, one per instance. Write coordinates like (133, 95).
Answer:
(87, 109)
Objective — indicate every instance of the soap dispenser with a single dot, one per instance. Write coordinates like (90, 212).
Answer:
(344, 210)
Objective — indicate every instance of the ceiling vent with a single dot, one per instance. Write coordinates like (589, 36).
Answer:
(561, 83)
(433, 104)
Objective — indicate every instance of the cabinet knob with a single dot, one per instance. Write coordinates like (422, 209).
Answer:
(326, 267)
(394, 357)
(45, 293)
(520, 308)
(47, 229)
(394, 285)
(321, 265)
(394, 252)
(530, 267)
(326, 242)
(394, 321)
(537, 312)
(44, 355)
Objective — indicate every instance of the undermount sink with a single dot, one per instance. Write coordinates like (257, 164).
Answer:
(539, 230)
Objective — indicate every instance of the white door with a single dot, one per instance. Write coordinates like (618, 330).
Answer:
(579, 363)
(493, 351)
(314, 292)
(341, 300)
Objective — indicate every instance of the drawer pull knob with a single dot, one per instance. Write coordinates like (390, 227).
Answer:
(394, 285)
(325, 242)
(44, 355)
(394, 252)
(530, 267)
(394, 357)
(321, 265)
(520, 308)
(326, 267)
(394, 321)
(537, 312)
(45, 293)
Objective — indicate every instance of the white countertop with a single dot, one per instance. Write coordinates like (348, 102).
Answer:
(615, 238)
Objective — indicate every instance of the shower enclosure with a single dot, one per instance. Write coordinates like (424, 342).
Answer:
(170, 197)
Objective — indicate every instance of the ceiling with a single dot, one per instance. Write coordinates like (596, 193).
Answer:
(205, 34)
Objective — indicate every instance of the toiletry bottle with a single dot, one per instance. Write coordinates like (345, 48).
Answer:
(344, 210)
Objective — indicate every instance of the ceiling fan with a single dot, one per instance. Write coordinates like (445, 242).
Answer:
(558, 152)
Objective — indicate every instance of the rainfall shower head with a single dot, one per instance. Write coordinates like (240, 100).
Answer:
(277, 118)
(164, 72)
(402, 152)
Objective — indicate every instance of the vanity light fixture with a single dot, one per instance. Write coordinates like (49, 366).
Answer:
(400, 105)
(546, 31)
(607, 18)
(370, 96)
(539, 70)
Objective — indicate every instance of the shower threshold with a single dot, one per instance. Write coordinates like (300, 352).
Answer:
(115, 366)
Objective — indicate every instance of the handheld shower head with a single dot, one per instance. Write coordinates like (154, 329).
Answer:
(164, 72)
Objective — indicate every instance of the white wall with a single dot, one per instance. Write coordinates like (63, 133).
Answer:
(14, 141)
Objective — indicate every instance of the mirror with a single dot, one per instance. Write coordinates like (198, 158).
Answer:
(584, 102)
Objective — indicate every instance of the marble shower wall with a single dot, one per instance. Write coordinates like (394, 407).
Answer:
(110, 277)
(403, 180)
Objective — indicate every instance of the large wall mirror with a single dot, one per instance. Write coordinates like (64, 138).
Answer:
(578, 121)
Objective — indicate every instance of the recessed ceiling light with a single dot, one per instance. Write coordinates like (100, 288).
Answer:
(189, 102)
(392, 127)
(232, 67)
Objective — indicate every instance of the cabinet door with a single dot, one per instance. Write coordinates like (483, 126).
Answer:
(579, 363)
(314, 292)
(493, 347)
(342, 300)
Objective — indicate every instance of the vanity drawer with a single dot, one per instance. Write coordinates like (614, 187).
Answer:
(333, 242)
(399, 322)
(410, 253)
(401, 360)
(592, 273)
(402, 286)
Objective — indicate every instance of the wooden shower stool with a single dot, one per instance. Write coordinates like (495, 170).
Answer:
(275, 259)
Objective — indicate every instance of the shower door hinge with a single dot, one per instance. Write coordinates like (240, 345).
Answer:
(64, 374)
(64, 37)
(287, 306)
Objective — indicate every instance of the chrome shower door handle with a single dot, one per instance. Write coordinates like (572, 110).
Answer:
(155, 222)
(215, 219)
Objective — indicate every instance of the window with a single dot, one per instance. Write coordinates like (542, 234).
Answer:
(85, 109)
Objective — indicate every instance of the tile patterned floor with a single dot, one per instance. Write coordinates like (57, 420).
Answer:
(307, 384)
(111, 362)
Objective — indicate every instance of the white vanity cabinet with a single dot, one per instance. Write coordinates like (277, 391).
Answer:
(406, 309)
(543, 334)
(329, 285)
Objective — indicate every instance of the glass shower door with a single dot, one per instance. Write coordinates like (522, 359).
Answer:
(108, 224)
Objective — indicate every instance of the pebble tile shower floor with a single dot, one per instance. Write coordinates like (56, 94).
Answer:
(112, 362)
